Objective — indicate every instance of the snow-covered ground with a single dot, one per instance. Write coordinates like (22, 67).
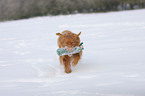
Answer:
(113, 62)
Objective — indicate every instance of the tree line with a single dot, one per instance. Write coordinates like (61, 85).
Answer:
(19, 9)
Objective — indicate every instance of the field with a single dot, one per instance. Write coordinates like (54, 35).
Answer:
(113, 62)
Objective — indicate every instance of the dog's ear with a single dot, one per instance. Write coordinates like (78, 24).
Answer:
(59, 34)
(79, 34)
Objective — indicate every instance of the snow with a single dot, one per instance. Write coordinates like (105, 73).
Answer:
(113, 62)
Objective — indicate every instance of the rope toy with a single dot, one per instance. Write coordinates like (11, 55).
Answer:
(64, 51)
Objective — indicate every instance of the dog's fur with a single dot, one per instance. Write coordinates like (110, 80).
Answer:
(69, 39)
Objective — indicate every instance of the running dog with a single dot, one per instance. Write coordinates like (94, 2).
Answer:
(69, 40)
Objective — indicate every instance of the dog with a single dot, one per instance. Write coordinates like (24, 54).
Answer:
(69, 40)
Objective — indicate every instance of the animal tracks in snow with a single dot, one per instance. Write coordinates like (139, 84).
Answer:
(45, 67)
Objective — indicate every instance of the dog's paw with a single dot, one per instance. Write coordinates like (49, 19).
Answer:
(74, 63)
(68, 71)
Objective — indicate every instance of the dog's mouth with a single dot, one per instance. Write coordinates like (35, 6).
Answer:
(69, 49)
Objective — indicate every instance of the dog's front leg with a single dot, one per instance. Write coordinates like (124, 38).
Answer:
(66, 62)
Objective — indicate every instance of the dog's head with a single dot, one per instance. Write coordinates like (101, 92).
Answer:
(69, 40)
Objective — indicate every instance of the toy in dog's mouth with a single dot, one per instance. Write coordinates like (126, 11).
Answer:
(64, 51)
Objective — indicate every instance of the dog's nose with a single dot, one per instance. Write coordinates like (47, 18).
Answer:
(69, 49)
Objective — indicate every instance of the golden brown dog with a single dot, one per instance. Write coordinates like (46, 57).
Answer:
(69, 40)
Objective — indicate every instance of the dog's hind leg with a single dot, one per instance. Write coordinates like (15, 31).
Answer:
(61, 60)
(76, 59)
